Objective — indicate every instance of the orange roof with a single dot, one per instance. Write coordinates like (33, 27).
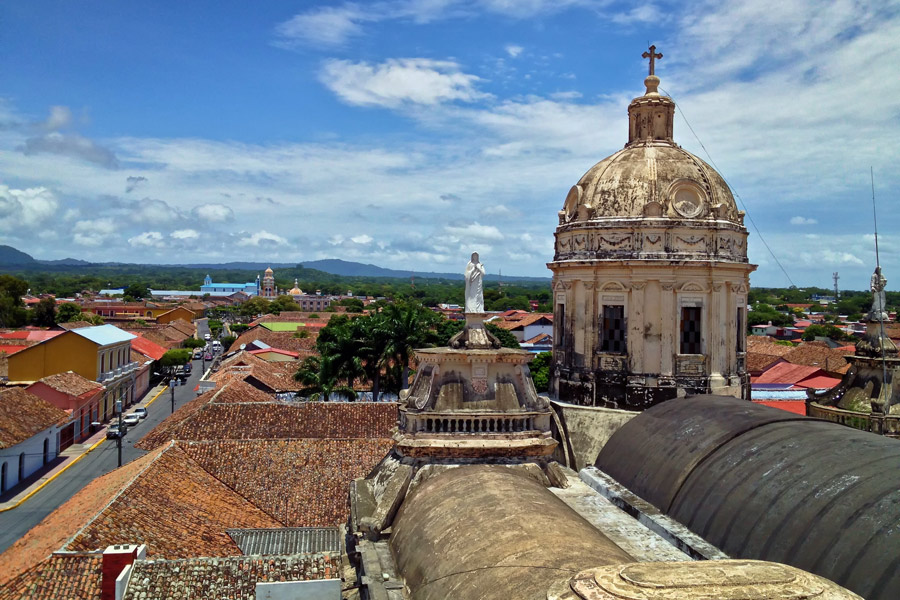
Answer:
(59, 576)
(276, 351)
(819, 382)
(23, 414)
(71, 383)
(797, 407)
(146, 347)
(12, 349)
(30, 335)
(785, 372)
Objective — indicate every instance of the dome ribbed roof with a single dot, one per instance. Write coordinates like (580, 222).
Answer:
(652, 175)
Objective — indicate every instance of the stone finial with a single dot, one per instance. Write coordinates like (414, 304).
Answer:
(652, 85)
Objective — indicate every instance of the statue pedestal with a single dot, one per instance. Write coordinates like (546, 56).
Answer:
(474, 335)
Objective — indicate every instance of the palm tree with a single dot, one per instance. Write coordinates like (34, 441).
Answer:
(407, 326)
(320, 381)
(338, 342)
(372, 338)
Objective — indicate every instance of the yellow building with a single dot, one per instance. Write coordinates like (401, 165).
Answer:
(179, 312)
(101, 353)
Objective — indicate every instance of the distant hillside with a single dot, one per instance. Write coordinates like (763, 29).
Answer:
(11, 256)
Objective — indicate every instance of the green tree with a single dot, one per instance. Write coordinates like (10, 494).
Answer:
(228, 340)
(174, 358)
(254, 306)
(137, 291)
(193, 343)
(354, 305)
(319, 378)
(44, 312)
(540, 370)
(67, 312)
(339, 342)
(829, 331)
(507, 339)
(215, 327)
(12, 309)
(282, 304)
(407, 326)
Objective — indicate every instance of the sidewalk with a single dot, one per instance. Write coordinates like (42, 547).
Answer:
(67, 458)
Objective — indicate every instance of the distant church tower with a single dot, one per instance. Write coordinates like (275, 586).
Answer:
(650, 273)
(268, 284)
(207, 280)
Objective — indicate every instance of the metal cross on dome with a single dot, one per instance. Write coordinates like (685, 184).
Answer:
(652, 55)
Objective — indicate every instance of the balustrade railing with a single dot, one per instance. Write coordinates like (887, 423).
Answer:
(483, 424)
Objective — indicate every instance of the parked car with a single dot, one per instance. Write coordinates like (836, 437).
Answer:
(187, 368)
(198, 353)
(141, 412)
(208, 356)
(113, 431)
(131, 419)
(206, 336)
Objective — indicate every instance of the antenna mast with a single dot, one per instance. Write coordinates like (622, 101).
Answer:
(835, 277)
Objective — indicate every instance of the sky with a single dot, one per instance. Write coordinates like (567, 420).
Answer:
(409, 133)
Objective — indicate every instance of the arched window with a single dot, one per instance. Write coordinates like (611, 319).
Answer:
(46, 450)
(21, 466)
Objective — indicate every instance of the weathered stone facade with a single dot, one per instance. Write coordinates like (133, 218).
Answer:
(650, 274)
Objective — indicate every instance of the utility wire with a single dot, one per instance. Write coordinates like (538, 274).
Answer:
(737, 195)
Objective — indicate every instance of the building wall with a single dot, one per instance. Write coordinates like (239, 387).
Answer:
(32, 453)
(175, 314)
(65, 352)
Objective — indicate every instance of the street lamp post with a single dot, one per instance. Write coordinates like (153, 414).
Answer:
(172, 389)
(119, 437)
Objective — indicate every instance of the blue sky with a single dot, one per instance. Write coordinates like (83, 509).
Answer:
(409, 133)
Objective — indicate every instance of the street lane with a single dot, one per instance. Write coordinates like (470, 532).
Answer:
(16, 522)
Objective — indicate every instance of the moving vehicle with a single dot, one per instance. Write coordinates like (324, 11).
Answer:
(206, 336)
(131, 419)
(140, 412)
(188, 368)
(208, 356)
(113, 431)
(198, 353)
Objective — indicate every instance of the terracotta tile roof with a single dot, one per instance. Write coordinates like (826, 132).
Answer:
(819, 382)
(70, 576)
(225, 578)
(258, 420)
(818, 354)
(539, 338)
(71, 383)
(765, 345)
(523, 320)
(183, 326)
(169, 428)
(157, 337)
(758, 362)
(50, 534)
(275, 351)
(300, 482)
(12, 348)
(75, 325)
(175, 507)
(284, 340)
(271, 377)
(22, 415)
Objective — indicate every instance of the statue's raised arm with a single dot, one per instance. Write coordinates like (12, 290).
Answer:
(474, 285)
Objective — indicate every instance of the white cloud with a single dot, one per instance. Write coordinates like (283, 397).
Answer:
(59, 118)
(152, 211)
(216, 213)
(262, 238)
(645, 13)
(499, 210)
(148, 239)
(26, 209)
(326, 25)
(94, 232)
(399, 81)
(513, 50)
(803, 221)
(185, 234)
(474, 232)
(362, 239)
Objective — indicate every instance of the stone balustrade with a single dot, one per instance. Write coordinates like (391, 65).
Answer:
(480, 423)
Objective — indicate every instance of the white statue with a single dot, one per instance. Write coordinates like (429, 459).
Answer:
(877, 285)
(474, 288)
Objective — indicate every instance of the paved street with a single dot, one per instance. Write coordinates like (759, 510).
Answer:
(16, 522)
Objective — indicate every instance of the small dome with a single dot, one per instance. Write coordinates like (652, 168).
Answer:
(295, 291)
(269, 271)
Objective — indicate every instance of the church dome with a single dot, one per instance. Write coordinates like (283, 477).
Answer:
(295, 291)
(652, 176)
(269, 271)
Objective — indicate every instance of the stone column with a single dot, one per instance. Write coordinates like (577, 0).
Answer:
(669, 320)
(715, 337)
(636, 328)
(590, 323)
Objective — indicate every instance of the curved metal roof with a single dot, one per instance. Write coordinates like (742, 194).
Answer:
(761, 483)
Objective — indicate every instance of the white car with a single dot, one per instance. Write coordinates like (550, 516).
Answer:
(131, 419)
(206, 336)
(140, 412)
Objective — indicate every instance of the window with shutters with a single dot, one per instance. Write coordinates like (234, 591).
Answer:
(691, 330)
(612, 332)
